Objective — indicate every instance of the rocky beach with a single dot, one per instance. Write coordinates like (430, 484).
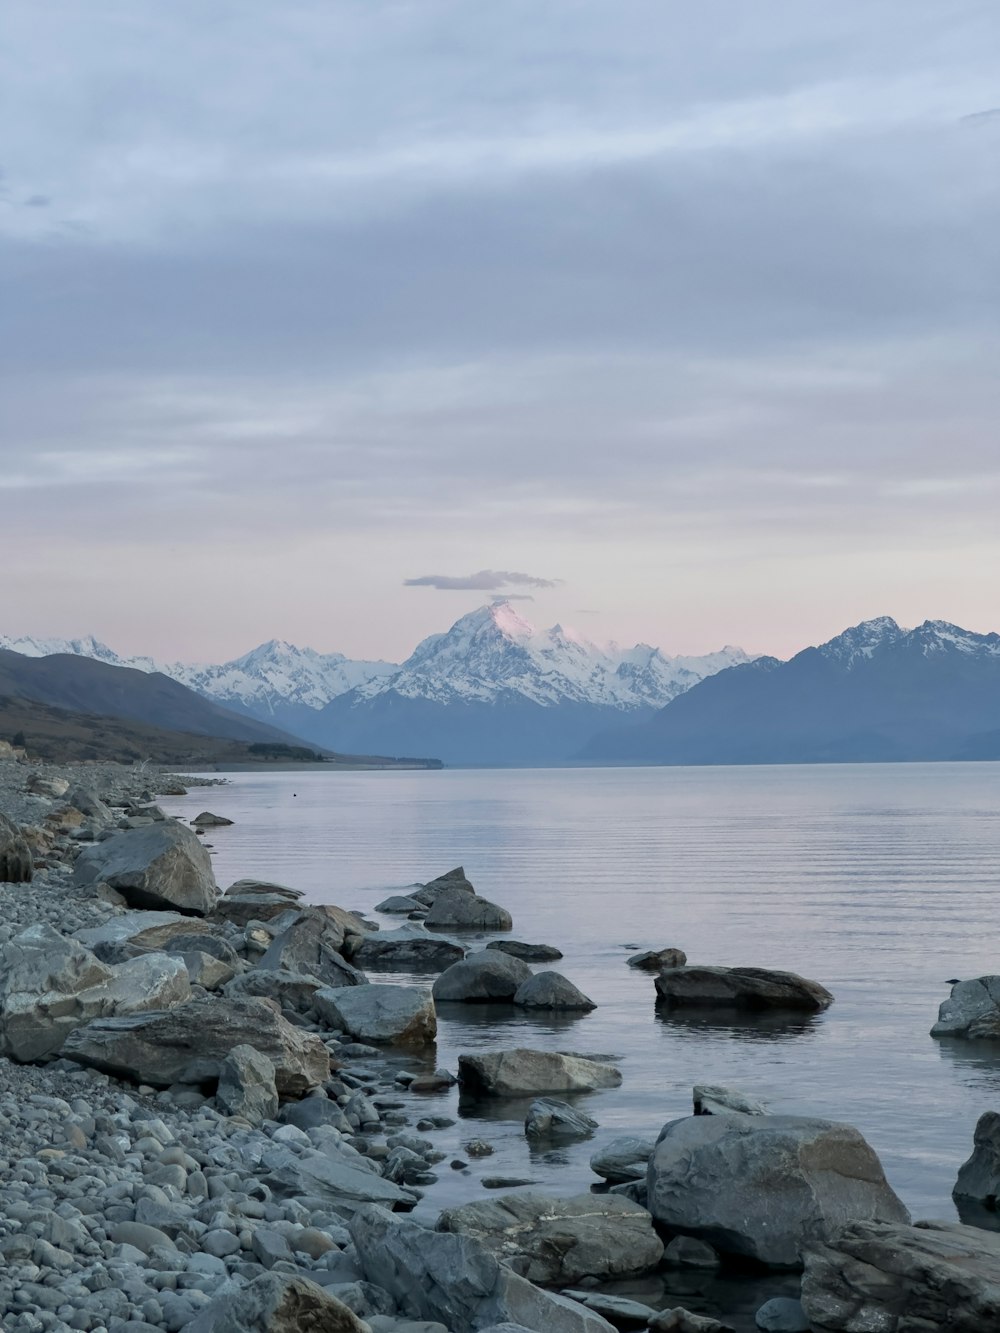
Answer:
(210, 1115)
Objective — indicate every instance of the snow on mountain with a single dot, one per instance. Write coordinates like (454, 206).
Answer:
(861, 642)
(85, 647)
(493, 653)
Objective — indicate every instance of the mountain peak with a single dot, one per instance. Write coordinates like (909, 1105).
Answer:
(860, 641)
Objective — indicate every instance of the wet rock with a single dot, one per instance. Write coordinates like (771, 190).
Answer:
(679, 1320)
(451, 882)
(621, 1311)
(482, 978)
(400, 904)
(757, 1186)
(311, 946)
(872, 1275)
(247, 1085)
(551, 1119)
(972, 1011)
(409, 949)
(16, 863)
(454, 909)
(555, 1241)
(551, 990)
(277, 1303)
(398, 1015)
(623, 1159)
(528, 953)
(687, 1252)
(751, 988)
(158, 866)
(712, 1099)
(979, 1177)
(522, 1072)
(655, 960)
(207, 820)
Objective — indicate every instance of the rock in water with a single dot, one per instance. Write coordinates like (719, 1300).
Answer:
(679, 1320)
(454, 881)
(523, 1073)
(16, 863)
(655, 960)
(528, 953)
(623, 1159)
(207, 820)
(971, 1011)
(246, 1085)
(782, 1314)
(551, 1119)
(400, 1015)
(903, 1279)
(160, 865)
(759, 1185)
(556, 1242)
(979, 1177)
(454, 909)
(740, 988)
(277, 1303)
(409, 949)
(481, 978)
(189, 1044)
(310, 946)
(711, 1099)
(551, 990)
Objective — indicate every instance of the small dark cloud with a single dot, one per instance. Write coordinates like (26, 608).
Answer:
(512, 597)
(487, 580)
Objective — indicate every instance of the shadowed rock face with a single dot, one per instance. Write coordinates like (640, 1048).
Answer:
(740, 988)
(16, 864)
(979, 1177)
(760, 1186)
(878, 1275)
(160, 866)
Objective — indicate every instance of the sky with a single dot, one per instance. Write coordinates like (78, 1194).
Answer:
(330, 320)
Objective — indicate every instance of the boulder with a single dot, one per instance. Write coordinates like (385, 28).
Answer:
(740, 988)
(620, 1310)
(679, 1320)
(204, 969)
(903, 1279)
(16, 863)
(455, 881)
(111, 941)
(246, 1085)
(339, 1175)
(311, 946)
(482, 978)
(525, 1073)
(551, 990)
(979, 1177)
(528, 953)
(971, 1011)
(189, 1044)
(288, 990)
(409, 949)
(400, 904)
(555, 1242)
(551, 1119)
(782, 1314)
(655, 960)
(207, 820)
(454, 909)
(53, 788)
(158, 866)
(50, 985)
(686, 1252)
(712, 1099)
(623, 1159)
(397, 1015)
(277, 1303)
(86, 800)
(437, 1275)
(758, 1185)
(255, 900)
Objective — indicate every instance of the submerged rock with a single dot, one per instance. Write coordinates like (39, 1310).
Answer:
(523, 1073)
(161, 865)
(207, 820)
(741, 988)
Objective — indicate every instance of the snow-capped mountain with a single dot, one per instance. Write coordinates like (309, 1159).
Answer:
(85, 647)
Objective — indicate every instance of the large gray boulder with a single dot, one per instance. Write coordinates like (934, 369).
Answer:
(160, 865)
(623, 1159)
(455, 1280)
(451, 882)
(277, 1303)
(50, 985)
(408, 949)
(137, 933)
(740, 988)
(454, 909)
(760, 1186)
(895, 1278)
(311, 946)
(397, 1015)
(86, 800)
(714, 1099)
(525, 1073)
(551, 990)
(190, 1043)
(971, 1011)
(339, 1175)
(556, 1242)
(246, 1085)
(289, 990)
(482, 978)
(979, 1177)
(16, 863)
(551, 1119)
(249, 900)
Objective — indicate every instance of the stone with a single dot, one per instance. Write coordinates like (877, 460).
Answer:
(400, 904)
(339, 1176)
(454, 1279)
(528, 953)
(205, 969)
(52, 787)
(409, 949)
(979, 1177)
(551, 1119)
(481, 978)
(189, 1044)
(159, 866)
(756, 1185)
(555, 1242)
(623, 1159)
(311, 1112)
(311, 946)
(256, 900)
(752, 988)
(207, 820)
(246, 1085)
(86, 800)
(454, 909)
(903, 1279)
(712, 1099)
(972, 1011)
(655, 960)
(396, 1015)
(277, 1303)
(621, 1311)
(522, 1072)
(551, 990)
(687, 1252)
(453, 881)
(782, 1314)
(17, 865)
(288, 990)
(679, 1320)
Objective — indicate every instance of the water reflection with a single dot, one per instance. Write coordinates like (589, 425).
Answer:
(976, 1062)
(975, 1215)
(759, 1026)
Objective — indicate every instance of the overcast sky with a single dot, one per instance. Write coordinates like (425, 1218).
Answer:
(679, 318)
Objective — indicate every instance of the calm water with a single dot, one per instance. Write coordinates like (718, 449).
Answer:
(879, 881)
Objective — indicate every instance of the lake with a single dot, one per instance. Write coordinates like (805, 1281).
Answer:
(880, 881)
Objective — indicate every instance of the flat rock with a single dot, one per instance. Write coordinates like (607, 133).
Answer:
(277, 1303)
(340, 1176)
(757, 1185)
(529, 953)
(522, 1072)
(621, 1311)
(903, 1279)
(398, 1015)
(454, 909)
(249, 900)
(162, 865)
(623, 1159)
(482, 978)
(551, 990)
(972, 1011)
(740, 988)
(979, 1177)
(551, 1119)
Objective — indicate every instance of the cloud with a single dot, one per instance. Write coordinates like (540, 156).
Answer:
(512, 597)
(487, 580)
